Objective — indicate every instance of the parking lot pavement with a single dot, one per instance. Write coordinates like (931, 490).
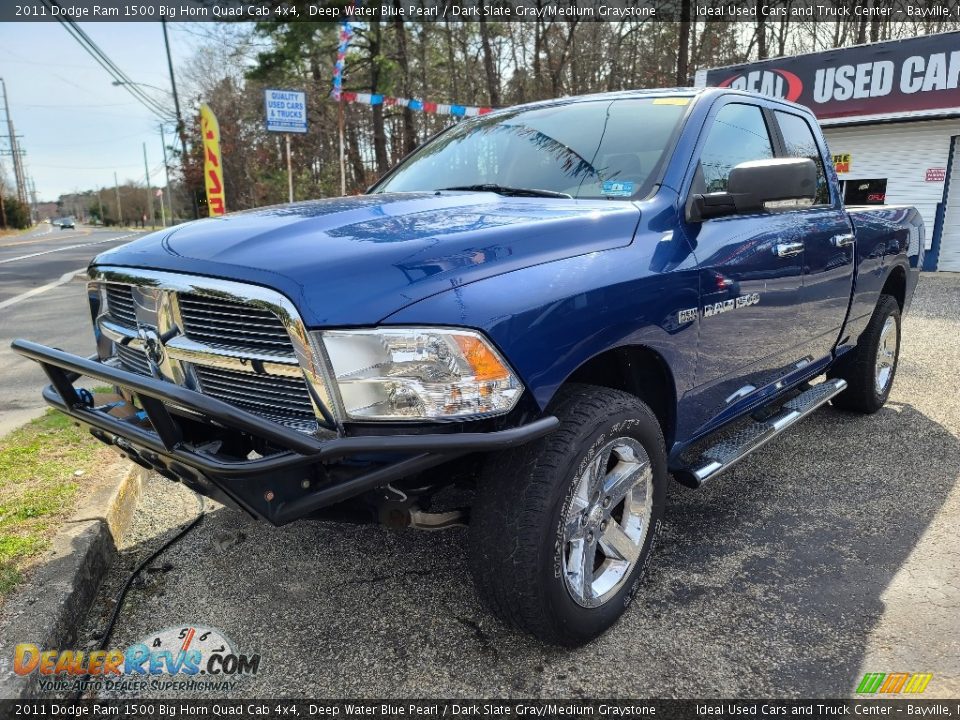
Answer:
(829, 553)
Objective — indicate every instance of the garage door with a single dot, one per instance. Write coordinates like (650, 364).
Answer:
(900, 154)
(950, 237)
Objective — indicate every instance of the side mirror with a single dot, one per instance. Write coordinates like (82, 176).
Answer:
(758, 185)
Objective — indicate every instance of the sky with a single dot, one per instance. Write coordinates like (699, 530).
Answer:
(77, 129)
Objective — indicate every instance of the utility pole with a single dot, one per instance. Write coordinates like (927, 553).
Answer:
(3, 189)
(15, 151)
(289, 169)
(34, 215)
(181, 128)
(116, 186)
(343, 163)
(166, 167)
(146, 170)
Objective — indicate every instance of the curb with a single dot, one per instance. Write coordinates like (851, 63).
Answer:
(49, 608)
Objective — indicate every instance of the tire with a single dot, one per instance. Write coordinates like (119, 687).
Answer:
(529, 498)
(870, 368)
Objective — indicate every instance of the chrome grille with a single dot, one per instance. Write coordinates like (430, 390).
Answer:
(133, 360)
(120, 304)
(226, 324)
(277, 397)
(210, 331)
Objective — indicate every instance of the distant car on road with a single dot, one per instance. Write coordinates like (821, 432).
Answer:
(67, 223)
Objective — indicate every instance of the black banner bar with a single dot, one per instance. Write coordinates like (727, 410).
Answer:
(427, 709)
(472, 10)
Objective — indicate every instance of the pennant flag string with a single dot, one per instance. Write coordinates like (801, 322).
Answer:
(338, 93)
(346, 34)
(420, 105)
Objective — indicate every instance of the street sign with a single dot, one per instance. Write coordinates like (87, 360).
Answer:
(286, 111)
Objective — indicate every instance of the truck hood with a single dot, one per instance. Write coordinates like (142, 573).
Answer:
(356, 260)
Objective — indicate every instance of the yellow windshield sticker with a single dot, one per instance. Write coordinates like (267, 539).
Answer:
(672, 101)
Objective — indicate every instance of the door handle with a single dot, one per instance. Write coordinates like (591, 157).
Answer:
(788, 249)
(845, 240)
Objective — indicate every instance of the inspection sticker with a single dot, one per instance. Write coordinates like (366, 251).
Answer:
(619, 188)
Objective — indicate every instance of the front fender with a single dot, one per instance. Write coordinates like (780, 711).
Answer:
(550, 319)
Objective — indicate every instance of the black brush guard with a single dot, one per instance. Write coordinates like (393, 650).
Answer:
(280, 487)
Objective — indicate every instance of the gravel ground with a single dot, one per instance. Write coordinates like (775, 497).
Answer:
(829, 553)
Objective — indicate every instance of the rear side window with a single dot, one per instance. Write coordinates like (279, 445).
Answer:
(738, 134)
(799, 142)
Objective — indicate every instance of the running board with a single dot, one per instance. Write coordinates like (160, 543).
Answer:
(731, 450)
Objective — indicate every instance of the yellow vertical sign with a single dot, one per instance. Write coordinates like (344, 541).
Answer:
(212, 165)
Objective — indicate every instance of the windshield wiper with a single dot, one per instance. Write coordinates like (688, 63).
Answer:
(511, 191)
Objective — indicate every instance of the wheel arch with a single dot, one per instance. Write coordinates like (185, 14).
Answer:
(640, 371)
(896, 285)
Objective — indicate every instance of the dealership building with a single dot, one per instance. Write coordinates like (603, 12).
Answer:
(890, 112)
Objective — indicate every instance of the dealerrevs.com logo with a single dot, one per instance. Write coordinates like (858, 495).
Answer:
(190, 657)
(894, 683)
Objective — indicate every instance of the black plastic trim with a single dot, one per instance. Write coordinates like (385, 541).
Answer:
(166, 448)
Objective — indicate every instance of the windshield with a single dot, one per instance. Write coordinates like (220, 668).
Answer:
(594, 149)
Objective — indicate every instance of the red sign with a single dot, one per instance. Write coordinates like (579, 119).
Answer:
(919, 76)
(935, 174)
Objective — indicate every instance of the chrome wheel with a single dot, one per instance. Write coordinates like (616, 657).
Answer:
(607, 522)
(886, 355)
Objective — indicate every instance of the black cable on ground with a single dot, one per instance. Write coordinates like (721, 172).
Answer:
(121, 596)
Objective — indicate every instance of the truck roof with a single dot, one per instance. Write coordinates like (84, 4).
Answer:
(691, 92)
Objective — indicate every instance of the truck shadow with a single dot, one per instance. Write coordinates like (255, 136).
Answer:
(787, 559)
(768, 582)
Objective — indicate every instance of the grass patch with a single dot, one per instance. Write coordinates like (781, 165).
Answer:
(38, 488)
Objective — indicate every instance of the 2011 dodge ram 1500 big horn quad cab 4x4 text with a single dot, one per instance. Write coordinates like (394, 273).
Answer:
(527, 326)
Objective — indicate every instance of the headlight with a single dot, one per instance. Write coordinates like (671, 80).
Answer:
(419, 373)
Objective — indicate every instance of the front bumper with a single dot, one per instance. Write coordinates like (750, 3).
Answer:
(297, 478)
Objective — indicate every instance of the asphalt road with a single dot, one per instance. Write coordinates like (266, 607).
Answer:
(42, 298)
(831, 552)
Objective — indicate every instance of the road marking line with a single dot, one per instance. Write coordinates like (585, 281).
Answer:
(35, 236)
(68, 247)
(64, 279)
(41, 237)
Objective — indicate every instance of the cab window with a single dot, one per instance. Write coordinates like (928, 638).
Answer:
(799, 142)
(738, 134)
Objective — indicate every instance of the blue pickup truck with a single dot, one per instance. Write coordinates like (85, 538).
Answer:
(527, 327)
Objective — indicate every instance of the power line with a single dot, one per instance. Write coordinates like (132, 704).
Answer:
(94, 50)
(75, 107)
(83, 167)
(84, 40)
(101, 57)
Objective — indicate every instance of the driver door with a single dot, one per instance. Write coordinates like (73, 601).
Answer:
(751, 275)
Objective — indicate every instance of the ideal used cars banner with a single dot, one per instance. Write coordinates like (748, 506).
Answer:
(212, 166)
(918, 76)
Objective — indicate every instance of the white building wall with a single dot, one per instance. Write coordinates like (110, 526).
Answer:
(902, 153)
(949, 258)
